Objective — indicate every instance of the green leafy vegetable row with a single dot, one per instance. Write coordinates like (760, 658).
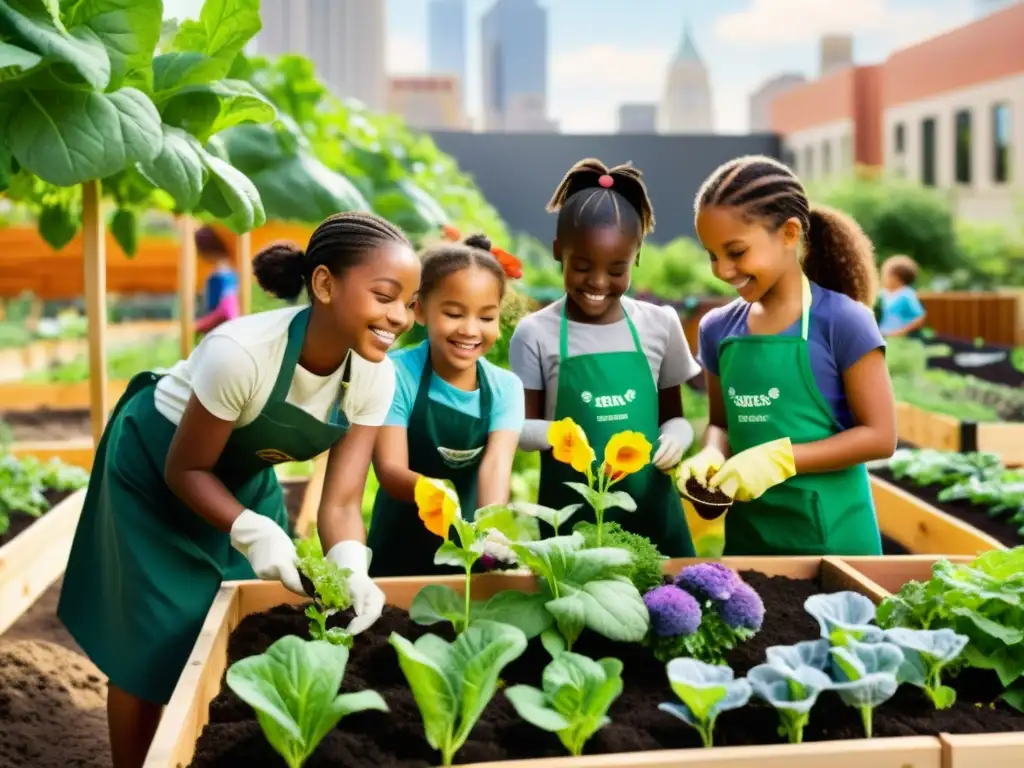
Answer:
(24, 482)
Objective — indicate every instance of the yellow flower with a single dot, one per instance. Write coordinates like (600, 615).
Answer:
(626, 453)
(569, 445)
(437, 504)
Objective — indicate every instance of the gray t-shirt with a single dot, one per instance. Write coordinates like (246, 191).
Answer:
(533, 350)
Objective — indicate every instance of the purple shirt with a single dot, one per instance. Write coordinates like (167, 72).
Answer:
(842, 332)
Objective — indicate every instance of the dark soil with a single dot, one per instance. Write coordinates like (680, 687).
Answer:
(709, 504)
(893, 547)
(20, 521)
(969, 513)
(46, 424)
(1001, 372)
(395, 739)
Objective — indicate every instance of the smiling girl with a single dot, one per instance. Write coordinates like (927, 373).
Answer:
(800, 396)
(607, 361)
(455, 415)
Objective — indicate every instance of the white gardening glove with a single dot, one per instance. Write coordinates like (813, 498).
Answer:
(269, 550)
(534, 435)
(676, 436)
(709, 459)
(367, 597)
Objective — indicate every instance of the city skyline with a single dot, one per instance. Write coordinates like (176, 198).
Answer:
(602, 53)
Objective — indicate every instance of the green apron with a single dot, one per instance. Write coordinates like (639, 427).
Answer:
(770, 393)
(144, 568)
(605, 394)
(444, 444)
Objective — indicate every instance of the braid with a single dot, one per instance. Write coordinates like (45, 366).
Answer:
(448, 258)
(581, 201)
(837, 253)
(339, 243)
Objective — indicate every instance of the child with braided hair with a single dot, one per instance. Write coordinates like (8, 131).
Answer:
(609, 362)
(800, 395)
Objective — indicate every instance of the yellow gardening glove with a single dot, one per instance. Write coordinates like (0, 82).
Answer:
(708, 459)
(750, 473)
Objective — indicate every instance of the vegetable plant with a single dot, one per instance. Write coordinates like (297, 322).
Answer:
(491, 533)
(865, 675)
(705, 613)
(925, 654)
(293, 687)
(452, 683)
(23, 481)
(844, 617)
(436, 603)
(648, 564)
(791, 682)
(706, 691)
(327, 583)
(625, 454)
(574, 698)
(585, 588)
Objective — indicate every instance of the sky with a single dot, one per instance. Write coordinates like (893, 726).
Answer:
(605, 52)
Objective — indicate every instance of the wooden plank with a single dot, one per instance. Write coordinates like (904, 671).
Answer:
(890, 572)
(926, 429)
(94, 247)
(24, 396)
(982, 750)
(34, 559)
(1005, 439)
(77, 452)
(923, 529)
(187, 269)
(201, 680)
(243, 266)
(311, 499)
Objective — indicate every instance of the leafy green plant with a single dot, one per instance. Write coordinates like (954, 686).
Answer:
(791, 682)
(844, 617)
(24, 481)
(436, 603)
(585, 588)
(865, 676)
(452, 683)
(925, 654)
(293, 687)
(705, 691)
(327, 583)
(647, 564)
(574, 698)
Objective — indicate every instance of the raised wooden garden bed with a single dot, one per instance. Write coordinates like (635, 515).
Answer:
(921, 528)
(30, 396)
(36, 557)
(925, 429)
(185, 720)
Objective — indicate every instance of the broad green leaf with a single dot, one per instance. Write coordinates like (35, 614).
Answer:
(181, 69)
(435, 603)
(508, 520)
(178, 169)
(531, 704)
(301, 188)
(206, 109)
(130, 30)
(68, 137)
(621, 499)
(15, 61)
(451, 554)
(231, 196)
(570, 616)
(58, 224)
(5, 169)
(519, 609)
(222, 31)
(592, 497)
(426, 666)
(34, 25)
(124, 226)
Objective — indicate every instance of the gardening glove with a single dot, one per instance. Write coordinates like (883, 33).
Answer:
(367, 597)
(269, 550)
(750, 473)
(709, 459)
(534, 435)
(676, 436)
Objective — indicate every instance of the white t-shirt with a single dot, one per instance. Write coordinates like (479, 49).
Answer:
(233, 371)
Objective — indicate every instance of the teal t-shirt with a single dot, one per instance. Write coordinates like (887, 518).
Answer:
(507, 406)
(899, 309)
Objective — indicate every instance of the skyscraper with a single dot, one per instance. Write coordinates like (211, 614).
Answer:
(446, 30)
(345, 39)
(514, 54)
(686, 104)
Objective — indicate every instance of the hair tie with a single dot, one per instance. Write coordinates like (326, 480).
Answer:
(512, 266)
(606, 181)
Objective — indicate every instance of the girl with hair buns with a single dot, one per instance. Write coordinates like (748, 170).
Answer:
(800, 395)
(183, 493)
(455, 416)
(607, 361)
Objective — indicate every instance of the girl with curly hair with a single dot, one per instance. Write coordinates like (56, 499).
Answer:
(800, 395)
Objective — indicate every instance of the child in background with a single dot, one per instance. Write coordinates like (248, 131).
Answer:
(455, 416)
(607, 361)
(799, 392)
(221, 296)
(902, 312)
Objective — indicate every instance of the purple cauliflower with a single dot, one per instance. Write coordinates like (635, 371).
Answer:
(744, 609)
(673, 611)
(709, 580)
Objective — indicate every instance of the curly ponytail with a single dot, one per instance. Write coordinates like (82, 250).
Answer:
(837, 254)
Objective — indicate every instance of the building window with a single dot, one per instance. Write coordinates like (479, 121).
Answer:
(900, 138)
(808, 170)
(1001, 128)
(963, 146)
(928, 151)
(826, 158)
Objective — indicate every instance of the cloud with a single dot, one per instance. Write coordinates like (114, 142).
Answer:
(779, 22)
(406, 54)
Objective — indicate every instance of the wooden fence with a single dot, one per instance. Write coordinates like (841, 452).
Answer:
(998, 318)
